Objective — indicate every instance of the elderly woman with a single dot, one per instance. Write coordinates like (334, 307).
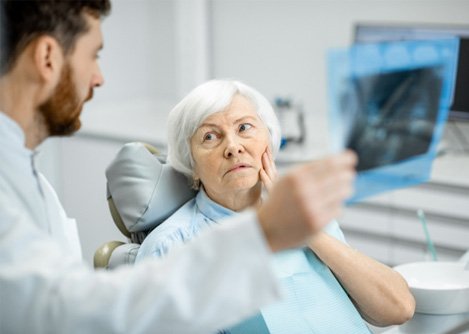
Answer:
(224, 136)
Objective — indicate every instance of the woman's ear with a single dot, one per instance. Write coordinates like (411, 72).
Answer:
(195, 180)
(48, 59)
(196, 184)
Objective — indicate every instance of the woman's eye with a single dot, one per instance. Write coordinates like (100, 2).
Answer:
(245, 126)
(209, 137)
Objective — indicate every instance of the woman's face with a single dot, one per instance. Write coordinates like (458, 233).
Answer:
(227, 149)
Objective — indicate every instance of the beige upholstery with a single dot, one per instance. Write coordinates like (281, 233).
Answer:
(117, 218)
(103, 254)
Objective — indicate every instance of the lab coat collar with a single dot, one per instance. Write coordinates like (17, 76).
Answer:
(12, 135)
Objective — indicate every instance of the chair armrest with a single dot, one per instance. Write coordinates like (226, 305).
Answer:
(104, 252)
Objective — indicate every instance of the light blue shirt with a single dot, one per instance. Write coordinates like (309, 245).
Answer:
(315, 301)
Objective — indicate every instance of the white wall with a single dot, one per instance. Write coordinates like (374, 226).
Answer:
(138, 59)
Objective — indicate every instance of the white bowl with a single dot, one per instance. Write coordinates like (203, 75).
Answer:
(438, 287)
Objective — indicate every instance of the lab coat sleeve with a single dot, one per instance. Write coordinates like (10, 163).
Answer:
(211, 283)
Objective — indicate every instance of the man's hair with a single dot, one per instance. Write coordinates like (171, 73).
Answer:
(22, 21)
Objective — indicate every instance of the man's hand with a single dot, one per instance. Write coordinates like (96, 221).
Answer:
(306, 199)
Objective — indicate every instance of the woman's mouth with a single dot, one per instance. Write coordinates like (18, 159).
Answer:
(238, 167)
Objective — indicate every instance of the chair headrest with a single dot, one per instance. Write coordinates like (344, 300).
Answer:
(144, 189)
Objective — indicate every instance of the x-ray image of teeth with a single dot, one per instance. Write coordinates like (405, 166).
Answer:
(388, 102)
(391, 116)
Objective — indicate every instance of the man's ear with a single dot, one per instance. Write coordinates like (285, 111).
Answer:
(48, 59)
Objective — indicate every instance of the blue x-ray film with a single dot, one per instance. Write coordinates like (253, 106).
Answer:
(389, 102)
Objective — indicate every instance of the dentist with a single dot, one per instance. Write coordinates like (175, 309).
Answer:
(48, 70)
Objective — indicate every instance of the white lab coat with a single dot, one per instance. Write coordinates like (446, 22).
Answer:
(211, 283)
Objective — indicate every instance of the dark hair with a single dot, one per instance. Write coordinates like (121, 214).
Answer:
(21, 21)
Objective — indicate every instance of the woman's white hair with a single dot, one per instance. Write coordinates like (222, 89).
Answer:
(206, 99)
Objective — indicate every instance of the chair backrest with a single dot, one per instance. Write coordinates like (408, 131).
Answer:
(142, 192)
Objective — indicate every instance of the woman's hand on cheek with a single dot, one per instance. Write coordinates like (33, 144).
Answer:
(268, 173)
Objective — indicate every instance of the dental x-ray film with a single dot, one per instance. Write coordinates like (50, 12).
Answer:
(389, 102)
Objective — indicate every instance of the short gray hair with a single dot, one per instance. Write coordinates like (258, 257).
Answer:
(206, 99)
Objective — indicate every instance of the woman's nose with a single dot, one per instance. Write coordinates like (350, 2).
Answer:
(233, 148)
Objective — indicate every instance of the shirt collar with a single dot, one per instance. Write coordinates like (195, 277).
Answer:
(211, 209)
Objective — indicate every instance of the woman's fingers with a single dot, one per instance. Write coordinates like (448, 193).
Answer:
(268, 173)
(266, 180)
(305, 199)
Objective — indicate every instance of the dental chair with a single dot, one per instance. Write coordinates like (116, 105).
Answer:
(142, 191)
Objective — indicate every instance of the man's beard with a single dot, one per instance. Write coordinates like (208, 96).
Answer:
(62, 110)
